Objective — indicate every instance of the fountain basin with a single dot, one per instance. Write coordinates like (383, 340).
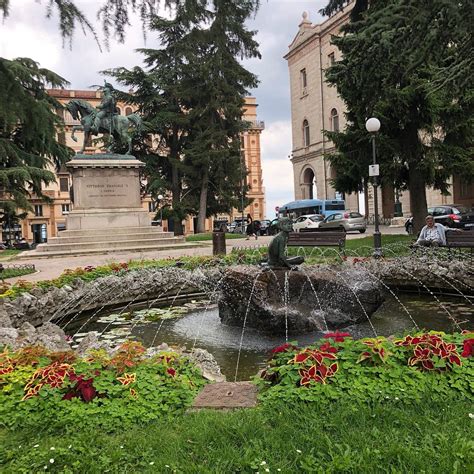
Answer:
(282, 301)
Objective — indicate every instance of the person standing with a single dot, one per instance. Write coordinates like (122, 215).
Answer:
(250, 227)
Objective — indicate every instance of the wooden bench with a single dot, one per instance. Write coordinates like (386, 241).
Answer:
(312, 238)
(460, 240)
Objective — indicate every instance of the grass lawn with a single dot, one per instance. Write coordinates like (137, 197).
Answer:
(208, 236)
(8, 254)
(340, 438)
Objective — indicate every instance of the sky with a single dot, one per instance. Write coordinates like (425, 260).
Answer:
(28, 33)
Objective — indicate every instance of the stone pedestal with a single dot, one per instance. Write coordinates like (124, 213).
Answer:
(107, 215)
(106, 193)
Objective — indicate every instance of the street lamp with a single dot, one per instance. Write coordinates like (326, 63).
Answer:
(373, 126)
(160, 197)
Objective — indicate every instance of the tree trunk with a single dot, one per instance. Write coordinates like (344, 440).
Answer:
(201, 220)
(388, 201)
(417, 188)
(176, 199)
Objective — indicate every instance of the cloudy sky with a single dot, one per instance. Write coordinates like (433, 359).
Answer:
(26, 32)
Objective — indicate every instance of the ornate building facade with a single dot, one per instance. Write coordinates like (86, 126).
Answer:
(49, 218)
(315, 106)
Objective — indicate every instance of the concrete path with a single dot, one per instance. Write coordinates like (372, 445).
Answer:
(49, 268)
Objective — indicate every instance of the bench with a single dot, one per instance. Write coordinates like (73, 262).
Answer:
(460, 240)
(313, 238)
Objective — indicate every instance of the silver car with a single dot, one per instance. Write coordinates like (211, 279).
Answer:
(346, 221)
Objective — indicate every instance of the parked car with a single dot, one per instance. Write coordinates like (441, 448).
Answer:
(235, 226)
(345, 220)
(220, 225)
(273, 227)
(451, 215)
(264, 225)
(308, 221)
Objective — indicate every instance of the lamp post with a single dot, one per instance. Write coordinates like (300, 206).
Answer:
(373, 126)
(160, 198)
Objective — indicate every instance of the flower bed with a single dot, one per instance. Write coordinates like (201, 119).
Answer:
(434, 365)
(46, 389)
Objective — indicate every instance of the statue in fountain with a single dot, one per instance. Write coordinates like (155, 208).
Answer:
(277, 249)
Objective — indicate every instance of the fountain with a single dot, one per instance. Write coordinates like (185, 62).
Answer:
(281, 299)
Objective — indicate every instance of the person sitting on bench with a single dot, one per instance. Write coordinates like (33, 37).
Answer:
(433, 234)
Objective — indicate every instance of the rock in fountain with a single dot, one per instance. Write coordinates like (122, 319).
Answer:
(280, 299)
(308, 301)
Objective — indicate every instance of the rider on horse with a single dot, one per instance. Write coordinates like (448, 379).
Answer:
(107, 108)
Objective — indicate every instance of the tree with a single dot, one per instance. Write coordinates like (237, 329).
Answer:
(191, 96)
(158, 95)
(213, 154)
(426, 133)
(28, 127)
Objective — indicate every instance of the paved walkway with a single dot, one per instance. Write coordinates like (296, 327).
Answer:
(49, 268)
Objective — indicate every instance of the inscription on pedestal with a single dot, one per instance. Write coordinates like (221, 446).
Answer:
(106, 190)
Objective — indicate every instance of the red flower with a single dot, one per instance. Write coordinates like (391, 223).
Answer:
(326, 347)
(468, 348)
(337, 336)
(283, 348)
(171, 371)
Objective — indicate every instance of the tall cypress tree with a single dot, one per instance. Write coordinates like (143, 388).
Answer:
(378, 76)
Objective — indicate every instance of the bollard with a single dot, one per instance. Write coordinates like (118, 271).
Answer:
(218, 243)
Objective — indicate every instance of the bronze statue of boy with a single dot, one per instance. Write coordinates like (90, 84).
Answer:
(277, 249)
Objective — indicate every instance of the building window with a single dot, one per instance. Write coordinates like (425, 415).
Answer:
(128, 111)
(332, 59)
(151, 206)
(304, 80)
(335, 120)
(38, 210)
(65, 208)
(64, 185)
(306, 137)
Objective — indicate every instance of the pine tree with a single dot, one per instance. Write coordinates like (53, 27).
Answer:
(213, 154)
(426, 133)
(28, 127)
(159, 95)
(191, 96)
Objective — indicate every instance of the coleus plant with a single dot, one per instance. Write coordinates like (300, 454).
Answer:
(316, 365)
(431, 352)
(376, 352)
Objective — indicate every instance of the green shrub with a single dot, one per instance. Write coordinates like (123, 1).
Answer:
(372, 369)
(42, 390)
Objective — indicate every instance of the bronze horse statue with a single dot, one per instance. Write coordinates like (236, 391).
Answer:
(117, 126)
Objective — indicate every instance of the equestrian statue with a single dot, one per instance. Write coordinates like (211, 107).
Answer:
(103, 119)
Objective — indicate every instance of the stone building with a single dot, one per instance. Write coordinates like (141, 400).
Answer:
(315, 106)
(49, 218)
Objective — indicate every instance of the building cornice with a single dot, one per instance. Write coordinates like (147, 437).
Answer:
(317, 31)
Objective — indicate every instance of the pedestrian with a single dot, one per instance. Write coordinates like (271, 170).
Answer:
(250, 227)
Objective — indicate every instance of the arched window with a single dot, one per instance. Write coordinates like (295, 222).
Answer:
(128, 111)
(306, 137)
(335, 120)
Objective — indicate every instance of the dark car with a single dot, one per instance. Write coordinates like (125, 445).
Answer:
(452, 215)
(273, 227)
(264, 225)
